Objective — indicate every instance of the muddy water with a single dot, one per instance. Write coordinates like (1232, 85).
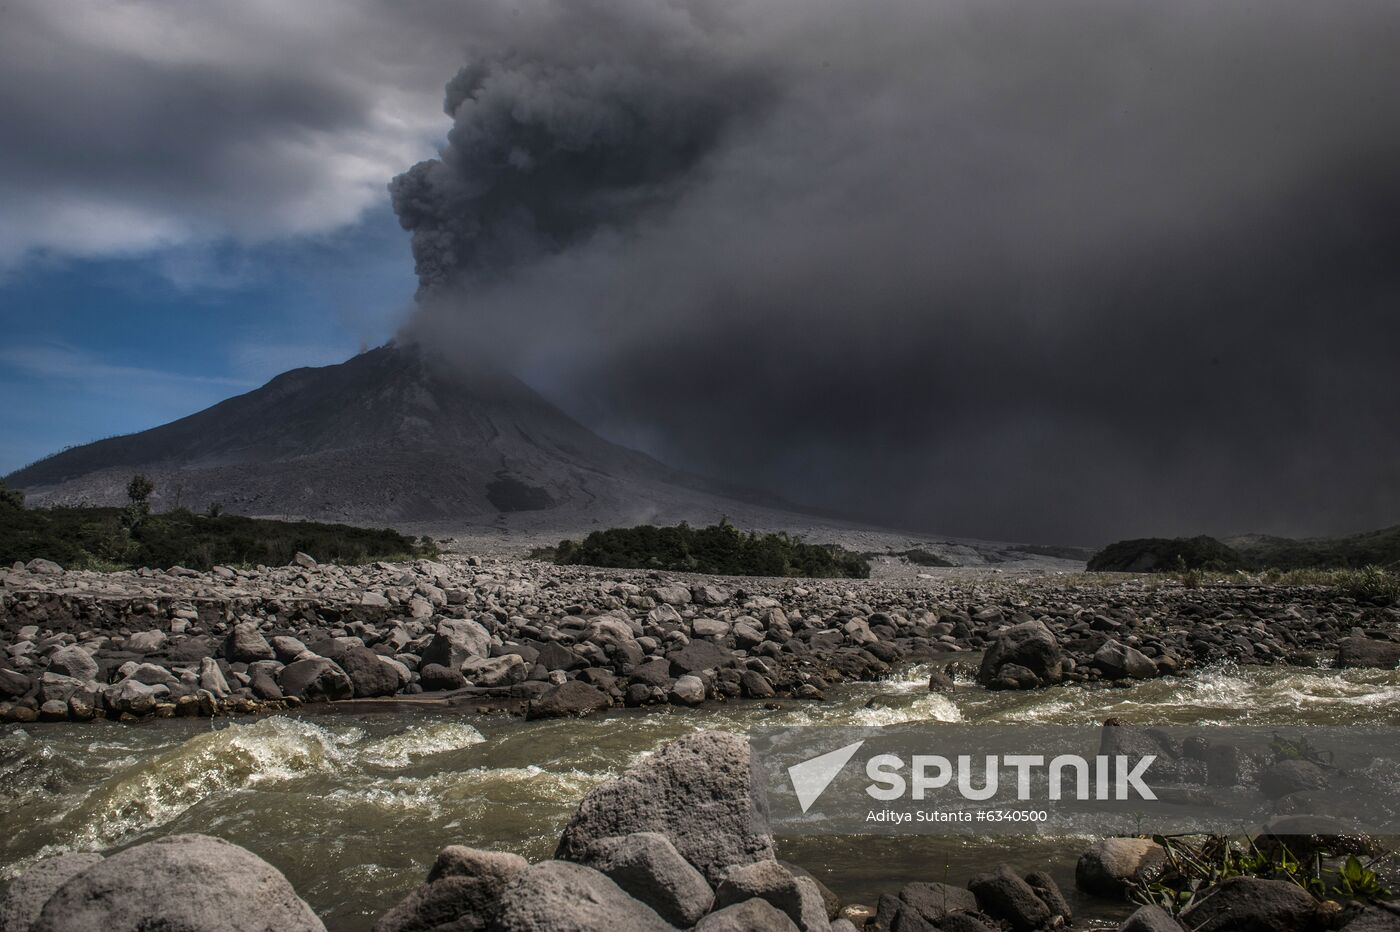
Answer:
(352, 808)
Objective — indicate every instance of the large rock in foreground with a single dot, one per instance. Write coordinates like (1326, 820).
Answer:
(695, 791)
(1248, 904)
(1029, 646)
(181, 883)
(27, 893)
(557, 896)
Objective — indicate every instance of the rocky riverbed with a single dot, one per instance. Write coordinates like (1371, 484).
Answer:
(546, 641)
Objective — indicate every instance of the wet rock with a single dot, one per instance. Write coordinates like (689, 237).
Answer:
(561, 895)
(73, 661)
(1367, 652)
(795, 895)
(26, 895)
(1291, 776)
(1050, 894)
(1029, 645)
(180, 883)
(1005, 896)
(315, 680)
(749, 916)
(462, 892)
(1111, 865)
(245, 644)
(369, 677)
(939, 681)
(647, 866)
(1150, 919)
(133, 697)
(1248, 904)
(755, 685)
(1117, 661)
(569, 699)
(695, 791)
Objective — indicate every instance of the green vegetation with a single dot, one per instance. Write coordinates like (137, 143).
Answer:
(1196, 865)
(1161, 554)
(721, 549)
(124, 538)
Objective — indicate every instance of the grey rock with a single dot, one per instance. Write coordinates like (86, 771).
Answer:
(73, 661)
(647, 866)
(569, 699)
(749, 916)
(134, 697)
(245, 644)
(1111, 865)
(315, 680)
(1150, 919)
(1248, 904)
(25, 897)
(796, 896)
(180, 883)
(211, 677)
(688, 690)
(1367, 652)
(146, 642)
(1118, 661)
(1291, 776)
(42, 567)
(560, 896)
(368, 675)
(456, 641)
(1005, 896)
(496, 671)
(695, 791)
(462, 892)
(934, 901)
(1029, 645)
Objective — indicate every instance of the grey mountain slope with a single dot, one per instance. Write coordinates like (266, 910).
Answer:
(385, 437)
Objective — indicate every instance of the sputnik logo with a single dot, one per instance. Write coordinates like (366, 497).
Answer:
(811, 777)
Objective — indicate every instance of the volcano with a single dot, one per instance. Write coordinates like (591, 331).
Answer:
(391, 436)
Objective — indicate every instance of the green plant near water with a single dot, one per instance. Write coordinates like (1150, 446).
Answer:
(1197, 863)
(720, 549)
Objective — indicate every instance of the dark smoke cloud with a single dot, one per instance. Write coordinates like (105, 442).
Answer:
(1067, 271)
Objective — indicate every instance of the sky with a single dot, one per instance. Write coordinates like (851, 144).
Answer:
(1062, 272)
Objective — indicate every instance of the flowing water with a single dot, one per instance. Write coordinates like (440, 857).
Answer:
(353, 807)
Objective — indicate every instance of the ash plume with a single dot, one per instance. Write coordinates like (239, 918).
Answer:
(1065, 272)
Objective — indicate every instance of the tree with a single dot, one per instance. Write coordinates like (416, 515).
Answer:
(11, 498)
(138, 490)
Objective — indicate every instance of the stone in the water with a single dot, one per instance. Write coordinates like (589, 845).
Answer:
(648, 867)
(434, 677)
(568, 897)
(688, 690)
(1003, 895)
(1150, 919)
(27, 893)
(934, 901)
(695, 791)
(180, 883)
(1368, 652)
(1117, 661)
(1029, 645)
(1291, 776)
(749, 916)
(1111, 865)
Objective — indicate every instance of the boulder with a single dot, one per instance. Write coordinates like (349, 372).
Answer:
(496, 671)
(934, 901)
(670, 595)
(14, 684)
(570, 698)
(1291, 776)
(146, 642)
(697, 656)
(24, 899)
(695, 791)
(1029, 645)
(462, 892)
(73, 661)
(211, 677)
(1248, 904)
(456, 641)
(1150, 919)
(749, 916)
(1111, 865)
(688, 690)
(648, 867)
(1367, 652)
(560, 896)
(795, 895)
(1005, 896)
(245, 644)
(369, 677)
(180, 883)
(133, 697)
(315, 680)
(435, 677)
(556, 656)
(1116, 661)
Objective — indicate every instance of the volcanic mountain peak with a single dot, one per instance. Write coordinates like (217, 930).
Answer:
(392, 435)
